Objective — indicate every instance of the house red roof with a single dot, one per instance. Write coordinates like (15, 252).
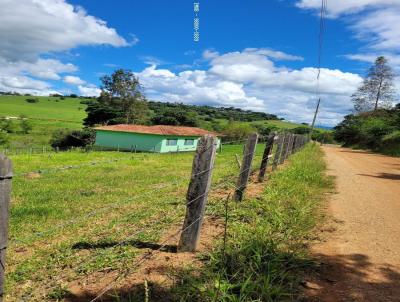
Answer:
(159, 129)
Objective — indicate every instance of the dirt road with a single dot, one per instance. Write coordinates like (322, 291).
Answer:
(360, 253)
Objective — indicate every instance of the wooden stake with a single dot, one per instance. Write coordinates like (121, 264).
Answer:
(245, 168)
(196, 197)
(264, 161)
(283, 150)
(5, 192)
(278, 151)
(289, 145)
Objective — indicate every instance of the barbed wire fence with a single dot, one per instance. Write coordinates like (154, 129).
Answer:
(277, 148)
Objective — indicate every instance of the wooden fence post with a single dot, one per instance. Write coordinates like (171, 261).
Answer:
(283, 150)
(196, 197)
(277, 151)
(289, 145)
(245, 168)
(294, 148)
(300, 142)
(264, 161)
(5, 192)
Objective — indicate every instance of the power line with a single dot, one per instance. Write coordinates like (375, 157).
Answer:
(320, 48)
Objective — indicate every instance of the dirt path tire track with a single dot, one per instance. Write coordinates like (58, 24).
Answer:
(360, 250)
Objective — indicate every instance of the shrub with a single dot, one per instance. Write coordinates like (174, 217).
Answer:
(264, 130)
(32, 100)
(349, 130)
(3, 138)
(25, 124)
(372, 132)
(323, 137)
(391, 143)
(237, 131)
(376, 130)
(8, 126)
(301, 130)
(65, 139)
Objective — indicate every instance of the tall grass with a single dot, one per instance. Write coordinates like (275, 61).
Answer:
(266, 252)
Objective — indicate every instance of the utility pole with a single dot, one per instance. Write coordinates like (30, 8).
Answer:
(315, 117)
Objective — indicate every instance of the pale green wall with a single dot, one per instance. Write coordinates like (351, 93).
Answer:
(181, 144)
(127, 141)
(143, 142)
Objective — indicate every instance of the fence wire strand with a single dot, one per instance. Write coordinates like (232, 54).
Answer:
(228, 182)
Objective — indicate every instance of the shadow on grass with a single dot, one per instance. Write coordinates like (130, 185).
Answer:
(348, 278)
(84, 245)
(136, 293)
(337, 278)
(384, 176)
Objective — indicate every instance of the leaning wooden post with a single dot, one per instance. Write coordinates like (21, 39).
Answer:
(196, 197)
(245, 168)
(277, 151)
(5, 192)
(264, 161)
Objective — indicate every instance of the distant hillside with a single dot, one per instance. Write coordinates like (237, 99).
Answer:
(49, 114)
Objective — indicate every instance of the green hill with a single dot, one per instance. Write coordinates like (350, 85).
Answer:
(45, 116)
(51, 113)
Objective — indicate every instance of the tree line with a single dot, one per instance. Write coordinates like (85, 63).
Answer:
(122, 101)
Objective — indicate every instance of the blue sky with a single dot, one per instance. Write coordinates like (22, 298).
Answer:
(259, 55)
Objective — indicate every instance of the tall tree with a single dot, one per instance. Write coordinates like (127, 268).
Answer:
(377, 90)
(123, 88)
(121, 101)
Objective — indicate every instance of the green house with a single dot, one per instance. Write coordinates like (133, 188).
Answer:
(157, 138)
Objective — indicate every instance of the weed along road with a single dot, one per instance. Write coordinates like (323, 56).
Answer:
(360, 250)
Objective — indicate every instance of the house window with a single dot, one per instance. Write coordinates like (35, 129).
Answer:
(172, 142)
(189, 142)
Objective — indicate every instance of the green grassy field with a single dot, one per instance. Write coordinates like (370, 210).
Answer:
(46, 116)
(67, 225)
(55, 211)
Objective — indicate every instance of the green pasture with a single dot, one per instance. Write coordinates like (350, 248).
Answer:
(80, 200)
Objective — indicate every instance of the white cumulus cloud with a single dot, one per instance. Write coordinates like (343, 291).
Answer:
(249, 79)
(89, 90)
(374, 22)
(73, 80)
(30, 29)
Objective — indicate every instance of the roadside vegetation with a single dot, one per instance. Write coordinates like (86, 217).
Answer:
(377, 130)
(266, 254)
(375, 124)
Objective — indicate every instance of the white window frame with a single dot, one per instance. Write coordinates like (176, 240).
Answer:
(171, 139)
(189, 139)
